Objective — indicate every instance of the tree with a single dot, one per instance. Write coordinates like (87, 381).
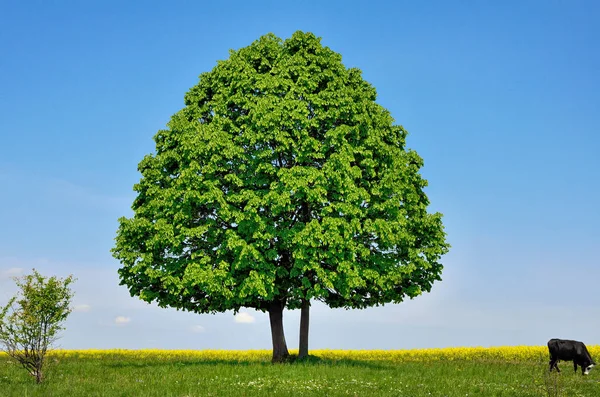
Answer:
(279, 182)
(31, 321)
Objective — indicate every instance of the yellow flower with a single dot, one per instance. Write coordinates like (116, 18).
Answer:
(502, 353)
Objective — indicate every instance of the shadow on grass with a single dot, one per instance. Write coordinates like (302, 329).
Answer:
(346, 362)
(291, 361)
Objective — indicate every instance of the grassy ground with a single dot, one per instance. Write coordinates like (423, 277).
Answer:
(242, 374)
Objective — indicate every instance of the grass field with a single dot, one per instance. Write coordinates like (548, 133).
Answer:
(505, 371)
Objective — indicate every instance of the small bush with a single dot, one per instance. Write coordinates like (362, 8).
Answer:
(31, 321)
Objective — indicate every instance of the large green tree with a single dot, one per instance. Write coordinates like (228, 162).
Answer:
(281, 181)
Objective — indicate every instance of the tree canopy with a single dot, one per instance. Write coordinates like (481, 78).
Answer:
(280, 181)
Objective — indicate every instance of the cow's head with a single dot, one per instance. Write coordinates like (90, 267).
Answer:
(588, 369)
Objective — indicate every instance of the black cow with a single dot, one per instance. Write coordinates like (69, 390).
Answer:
(570, 350)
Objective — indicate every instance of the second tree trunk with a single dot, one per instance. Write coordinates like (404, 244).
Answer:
(304, 320)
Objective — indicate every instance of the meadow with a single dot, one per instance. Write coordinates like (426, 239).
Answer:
(504, 371)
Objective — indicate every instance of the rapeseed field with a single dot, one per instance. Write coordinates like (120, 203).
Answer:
(504, 353)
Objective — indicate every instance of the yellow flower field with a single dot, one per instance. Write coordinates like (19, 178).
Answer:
(503, 353)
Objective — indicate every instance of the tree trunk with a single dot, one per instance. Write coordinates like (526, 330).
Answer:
(39, 376)
(280, 350)
(304, 317)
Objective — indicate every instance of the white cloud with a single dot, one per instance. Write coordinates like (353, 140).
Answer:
(83, 308)
(10, 272)
(244, 318)
(197, 329)
(122, 320)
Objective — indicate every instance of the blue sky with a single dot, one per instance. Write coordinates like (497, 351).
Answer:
(501, 99)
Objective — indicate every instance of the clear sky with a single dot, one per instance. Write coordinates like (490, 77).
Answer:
(501, 99)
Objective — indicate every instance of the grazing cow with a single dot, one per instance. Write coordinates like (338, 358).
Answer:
(570, 350)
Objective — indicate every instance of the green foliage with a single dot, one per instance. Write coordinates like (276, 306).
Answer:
(280, 180)
(32, 320)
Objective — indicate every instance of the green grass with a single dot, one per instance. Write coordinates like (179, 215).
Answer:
(125, 375)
